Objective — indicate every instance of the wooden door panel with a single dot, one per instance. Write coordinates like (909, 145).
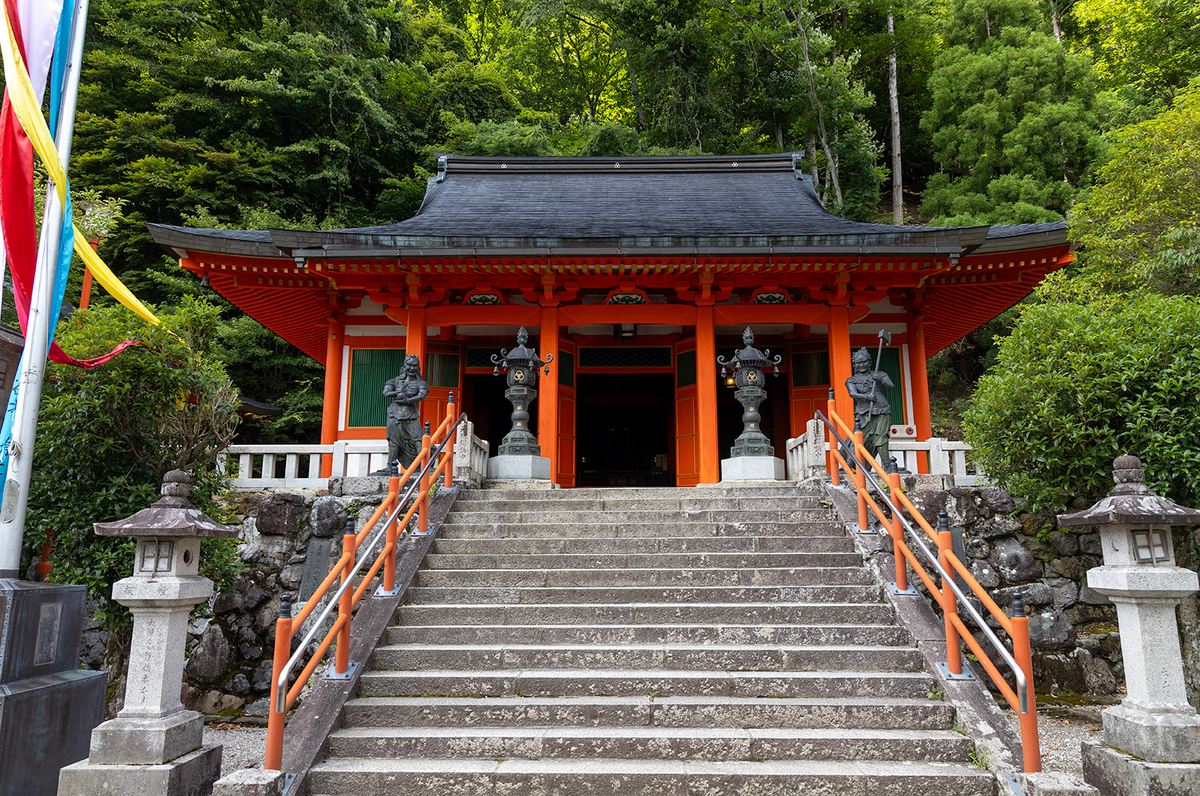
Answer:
(567, 429)
(687, 414)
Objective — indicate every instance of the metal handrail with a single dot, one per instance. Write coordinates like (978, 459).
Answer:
(307, 638)
(1022, 687)
(433, 459)
(867, 479)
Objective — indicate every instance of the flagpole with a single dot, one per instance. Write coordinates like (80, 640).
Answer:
(29, 395)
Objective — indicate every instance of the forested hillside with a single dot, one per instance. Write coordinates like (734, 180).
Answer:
(327, 113)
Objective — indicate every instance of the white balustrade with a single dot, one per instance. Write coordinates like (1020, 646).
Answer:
(806, 453)
(299, 466)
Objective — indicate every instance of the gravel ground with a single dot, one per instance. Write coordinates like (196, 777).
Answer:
(244, 746)
(1060, 731)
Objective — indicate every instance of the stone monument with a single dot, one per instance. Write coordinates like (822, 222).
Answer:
(519, 455)
(872, 412)
(752, 457)
(404, 414)
(154, 746)
(1152, 739)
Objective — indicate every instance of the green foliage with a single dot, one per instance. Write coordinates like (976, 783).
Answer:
(1012, 119)
(1078, 384)
(106, 436)
(1141, 224)
(1150, 47)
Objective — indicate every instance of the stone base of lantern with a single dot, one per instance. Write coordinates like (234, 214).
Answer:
(1115, 773)
(190, 775)
(752, 468)
(1163, 737)
(149, 741)
(519, 468)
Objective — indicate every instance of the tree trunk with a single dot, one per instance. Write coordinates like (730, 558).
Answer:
(778, 132)
(811, 143)
(1056, 15)
(637, 97)
(894, 106)
(831, 164)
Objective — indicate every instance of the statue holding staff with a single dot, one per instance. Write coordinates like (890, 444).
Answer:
(872, 412)
(404, 430)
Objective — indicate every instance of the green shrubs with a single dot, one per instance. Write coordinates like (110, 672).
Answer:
(1078, 384)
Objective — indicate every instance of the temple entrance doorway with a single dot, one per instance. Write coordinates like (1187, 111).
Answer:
(624, 429)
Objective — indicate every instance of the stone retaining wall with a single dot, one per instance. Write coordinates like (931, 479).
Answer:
(230, 649)
(1073, 630)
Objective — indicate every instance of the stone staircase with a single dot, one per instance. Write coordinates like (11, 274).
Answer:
(626, 641)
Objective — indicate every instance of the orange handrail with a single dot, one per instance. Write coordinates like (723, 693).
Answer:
(947, 565)
(436, 456)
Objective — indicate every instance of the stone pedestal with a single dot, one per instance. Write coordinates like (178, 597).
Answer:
(519, 468)
(1115, 773)
(752, 468)
(154, 746)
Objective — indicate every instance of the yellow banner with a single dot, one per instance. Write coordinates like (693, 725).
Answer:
(29, 112)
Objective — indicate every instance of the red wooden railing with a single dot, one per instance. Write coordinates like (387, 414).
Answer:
(868, 476)
(435, 460)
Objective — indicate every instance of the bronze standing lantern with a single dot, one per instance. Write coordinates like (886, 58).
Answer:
(748, 365)
(522, 365)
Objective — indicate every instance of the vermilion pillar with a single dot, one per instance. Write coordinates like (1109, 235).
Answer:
(920, 386)
(333, 387)
(414, 340)
(548, 390)
(706, 395)
(839, 361)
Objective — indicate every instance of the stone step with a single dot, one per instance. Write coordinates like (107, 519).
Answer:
(796, 635)
(530, 561)
(607, 517)
(651, 682)
(861, 713)
(535, 529)
(515, 595)
(669, 657)
(648, 614)
(618, 503)
(653, 743)
(495, 492)
(603, 777)
(648, 545)
(835, 573)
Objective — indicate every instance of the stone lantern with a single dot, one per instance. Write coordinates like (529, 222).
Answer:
(1153, 736)
(154, 745)
(752, 457)
(519, 455)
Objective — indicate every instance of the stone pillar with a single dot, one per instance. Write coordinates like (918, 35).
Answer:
(1152, 739)
(154, 746)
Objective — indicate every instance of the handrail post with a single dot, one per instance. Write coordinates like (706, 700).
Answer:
(451, 438)
(897, 530)
(341, 660)
(860, 483)
(275, 715)
(1030, 745)
(389, 548)
(948, 600)
(423, 511)
(831, 458)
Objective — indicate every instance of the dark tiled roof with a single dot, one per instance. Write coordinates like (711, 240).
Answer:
(731, 203)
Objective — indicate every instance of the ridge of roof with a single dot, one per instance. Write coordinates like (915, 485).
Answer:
(779, 162)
